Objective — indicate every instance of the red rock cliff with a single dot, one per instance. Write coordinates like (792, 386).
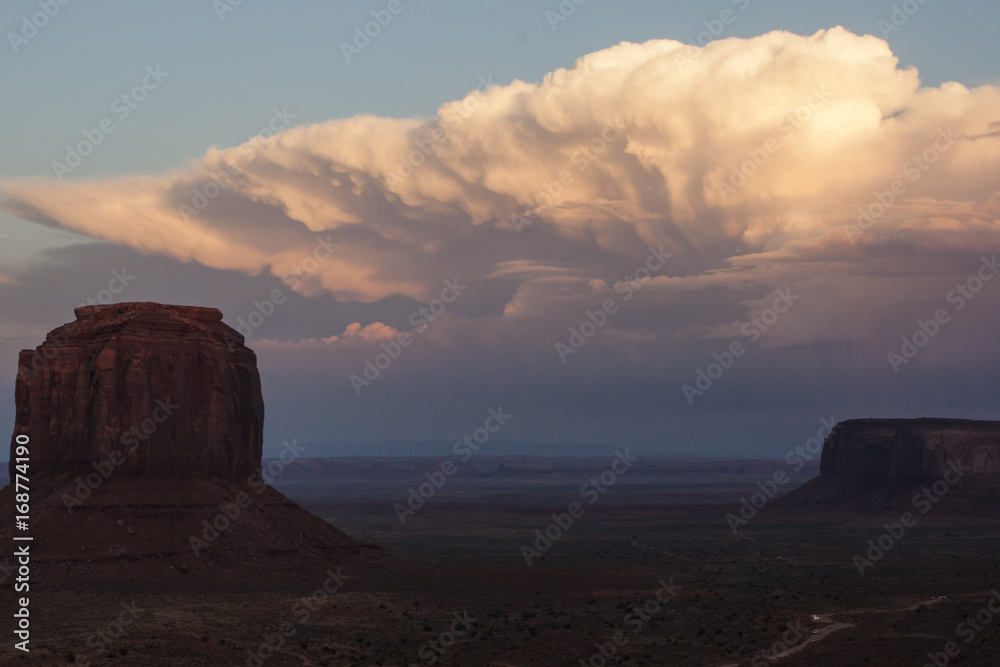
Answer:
(151, 389)
(910, 449)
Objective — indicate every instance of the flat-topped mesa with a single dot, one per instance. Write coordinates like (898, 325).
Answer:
(145, 388)
(910, 449)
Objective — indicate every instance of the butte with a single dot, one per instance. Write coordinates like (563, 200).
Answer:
(144, 425)
(875, 465)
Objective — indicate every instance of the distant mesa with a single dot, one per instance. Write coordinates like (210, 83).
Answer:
(911, 449)
(868, 463)
(146, 428)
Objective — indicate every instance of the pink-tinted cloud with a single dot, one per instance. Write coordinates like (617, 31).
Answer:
(779, 160)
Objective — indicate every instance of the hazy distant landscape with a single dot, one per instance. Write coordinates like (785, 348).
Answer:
(737, 596)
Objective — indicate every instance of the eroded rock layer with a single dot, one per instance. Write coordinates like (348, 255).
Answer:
(910, 449)
(882, 465)
(143, 389)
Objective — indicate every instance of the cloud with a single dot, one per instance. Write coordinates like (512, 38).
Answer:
(371, 333)
(781, 159)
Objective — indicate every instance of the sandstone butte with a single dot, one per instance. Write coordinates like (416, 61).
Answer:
(874, 464)
(173, 389)
(911, 449)
(146, 429)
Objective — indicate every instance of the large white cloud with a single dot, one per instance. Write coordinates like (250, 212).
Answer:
(746, 159)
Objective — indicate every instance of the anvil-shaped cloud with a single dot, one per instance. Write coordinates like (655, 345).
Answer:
(756, 163)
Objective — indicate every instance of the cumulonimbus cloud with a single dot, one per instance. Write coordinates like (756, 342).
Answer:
(757, 153)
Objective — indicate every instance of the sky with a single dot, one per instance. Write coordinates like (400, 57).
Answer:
(681, 227)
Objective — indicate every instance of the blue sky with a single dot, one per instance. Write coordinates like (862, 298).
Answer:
(226, 75)
(228, 71)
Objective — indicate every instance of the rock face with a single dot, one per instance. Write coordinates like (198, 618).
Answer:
(145, 427)
(146, 388)
(910, 449)
(877, 465)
